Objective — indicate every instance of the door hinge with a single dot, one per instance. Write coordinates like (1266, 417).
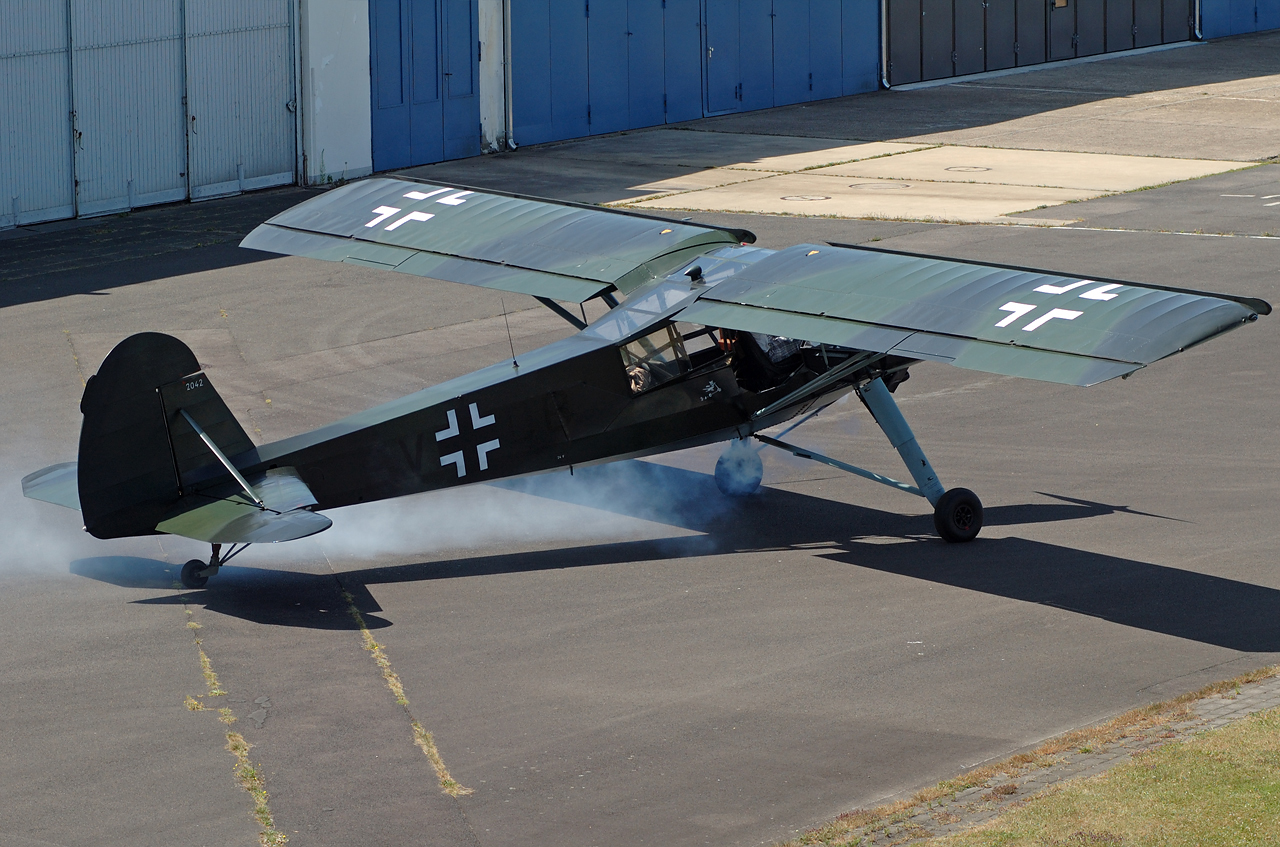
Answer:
(811, 82)
(588, 113)
(1075, 39)
(954, 57)
(587, 7)
(1016, 47)
(664, 104)
(479, 51)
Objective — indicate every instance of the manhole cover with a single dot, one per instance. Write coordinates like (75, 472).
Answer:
(806, 197)
(880, 186)
(968, 169)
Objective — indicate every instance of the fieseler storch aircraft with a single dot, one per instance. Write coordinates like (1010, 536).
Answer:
(707, 339)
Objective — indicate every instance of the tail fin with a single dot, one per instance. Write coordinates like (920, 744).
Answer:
(135, 459)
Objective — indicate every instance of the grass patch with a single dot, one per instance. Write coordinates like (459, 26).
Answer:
(246, 772)
(250, 779)
(1147, 720)
(423, 739)
(1221, 787)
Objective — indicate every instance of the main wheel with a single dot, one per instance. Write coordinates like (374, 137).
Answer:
(739, 470)
(189, 571)
(958, 515)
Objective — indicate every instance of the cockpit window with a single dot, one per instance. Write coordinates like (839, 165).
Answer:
(654, 359)
(674, 350)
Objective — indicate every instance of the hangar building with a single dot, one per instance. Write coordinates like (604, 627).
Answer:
(111, 105)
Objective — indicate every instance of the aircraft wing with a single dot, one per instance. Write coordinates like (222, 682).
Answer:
(1003, 320)
(563, 251)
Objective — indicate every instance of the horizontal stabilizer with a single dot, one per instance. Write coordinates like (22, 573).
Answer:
(55, 484)
(226, 515)
(544, 248)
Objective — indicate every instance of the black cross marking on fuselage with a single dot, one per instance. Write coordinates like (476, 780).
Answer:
(458, 457)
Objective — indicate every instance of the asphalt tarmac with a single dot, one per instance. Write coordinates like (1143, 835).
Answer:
(624, 656)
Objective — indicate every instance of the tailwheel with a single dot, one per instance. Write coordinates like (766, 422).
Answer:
(191, 574)
(958, 515)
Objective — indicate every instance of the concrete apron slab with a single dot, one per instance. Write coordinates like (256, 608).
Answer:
(1094, 171)
(696, 148)
(808, 194)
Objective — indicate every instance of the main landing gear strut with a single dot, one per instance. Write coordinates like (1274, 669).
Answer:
(196, 573)
(957, 513)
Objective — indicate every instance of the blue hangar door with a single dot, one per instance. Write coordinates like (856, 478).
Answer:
(424, 65)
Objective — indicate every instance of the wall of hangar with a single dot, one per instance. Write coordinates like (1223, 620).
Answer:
(109, 105)
(935, 39)
(584, 68)
(1237, 17)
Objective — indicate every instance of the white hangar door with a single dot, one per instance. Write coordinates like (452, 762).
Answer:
(128, 136)
(36, 183)
(240, 104)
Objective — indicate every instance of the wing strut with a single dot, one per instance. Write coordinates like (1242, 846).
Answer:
(226, 463)
(836, 463)
(880, 403)
(561, 311)
(815, 386)
(957, 513)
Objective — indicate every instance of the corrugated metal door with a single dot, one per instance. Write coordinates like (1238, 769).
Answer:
(936, 38)
(1091, 27)
(1147, 27)
(645, 63)
(1001, 35)
(970, 45)
(549, 70)
(723, 27)
(130, 141)
(239, 96)
(1031, 26)
(806, 50)
(424, 65)
(36, 178)
(1266, 14)
(1178, 20)
(790, 51)
(1062, 29)
(607, 66)
(825, 74)
(1119, 24)
(904, 41)
(461, 70)
(860, 31)
(755, 67)
(682, 63)
(424, 81)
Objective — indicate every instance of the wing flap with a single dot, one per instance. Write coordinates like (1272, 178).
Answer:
(812, 328)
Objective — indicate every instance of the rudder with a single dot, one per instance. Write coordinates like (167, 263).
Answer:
(136, 451)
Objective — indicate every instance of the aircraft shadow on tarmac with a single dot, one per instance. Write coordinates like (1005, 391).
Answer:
(1185, 604)
(280, 598)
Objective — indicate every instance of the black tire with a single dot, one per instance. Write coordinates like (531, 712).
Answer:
(958, 516)
(189, 571)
